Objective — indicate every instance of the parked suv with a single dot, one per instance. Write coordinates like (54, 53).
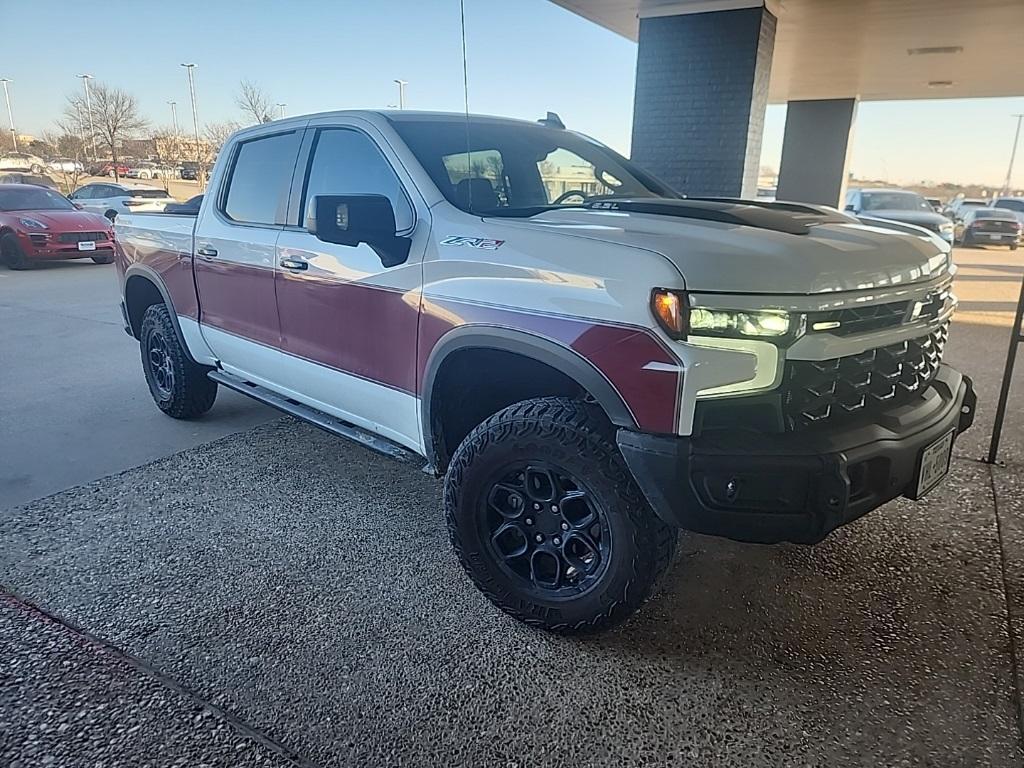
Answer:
(114, 199)
(590, 369)
(899, 205)
(1013, 204)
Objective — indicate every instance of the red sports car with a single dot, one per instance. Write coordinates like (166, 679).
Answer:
(37, 223)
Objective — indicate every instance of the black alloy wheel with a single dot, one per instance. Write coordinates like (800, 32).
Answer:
(160, 364)
(546, 529)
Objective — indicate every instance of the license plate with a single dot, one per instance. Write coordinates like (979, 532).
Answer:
(87, 245)
(934, 464)
(995, 237)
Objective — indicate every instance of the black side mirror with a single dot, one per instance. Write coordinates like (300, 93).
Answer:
(850, 207)
(354, 219)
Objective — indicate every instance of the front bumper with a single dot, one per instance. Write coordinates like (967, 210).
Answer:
(796, 486)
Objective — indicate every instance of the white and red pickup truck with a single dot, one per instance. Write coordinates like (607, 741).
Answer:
(590, 360)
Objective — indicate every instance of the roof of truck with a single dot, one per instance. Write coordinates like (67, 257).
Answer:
(399, 115)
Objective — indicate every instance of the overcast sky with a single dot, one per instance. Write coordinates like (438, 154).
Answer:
(525, 57)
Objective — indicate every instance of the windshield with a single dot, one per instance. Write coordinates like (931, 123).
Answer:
(520, 169)
(1011, 205)
(33, 199)
(895, 201)
(994, 213)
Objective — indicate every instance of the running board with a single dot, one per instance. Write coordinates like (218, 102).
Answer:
(315, 417)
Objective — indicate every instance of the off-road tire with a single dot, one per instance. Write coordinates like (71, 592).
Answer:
(108, 259)
(578, 438)
(12, 254)
(188, 392)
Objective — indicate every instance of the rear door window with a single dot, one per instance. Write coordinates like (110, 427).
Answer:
(260, 176)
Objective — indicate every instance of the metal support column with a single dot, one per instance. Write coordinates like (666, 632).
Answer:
(1016, 338)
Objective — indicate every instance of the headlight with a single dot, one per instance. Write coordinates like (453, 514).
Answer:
(679, 320)
(947, 227)
(32, 224)
(738, 323)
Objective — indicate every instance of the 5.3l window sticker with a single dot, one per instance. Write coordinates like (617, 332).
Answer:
(487, 243)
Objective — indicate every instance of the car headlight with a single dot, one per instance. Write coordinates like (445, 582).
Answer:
(28, 223)
(947, 227)
(679, 320)
(739, 323)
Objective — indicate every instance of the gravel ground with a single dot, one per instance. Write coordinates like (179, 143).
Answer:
(65, 701)
(297, 595)
(324, 607)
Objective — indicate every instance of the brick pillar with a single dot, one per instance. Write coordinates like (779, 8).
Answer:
(701, 93)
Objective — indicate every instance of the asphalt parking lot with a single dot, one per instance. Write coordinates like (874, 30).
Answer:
(190, 595)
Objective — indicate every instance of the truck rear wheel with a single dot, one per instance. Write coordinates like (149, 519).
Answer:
(179, 386)
(548, 522)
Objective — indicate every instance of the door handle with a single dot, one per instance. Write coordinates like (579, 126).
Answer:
(206, 253)
(290, 262)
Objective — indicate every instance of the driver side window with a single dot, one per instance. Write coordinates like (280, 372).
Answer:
(563, 172)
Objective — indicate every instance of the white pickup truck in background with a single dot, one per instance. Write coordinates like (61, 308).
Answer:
(591, 361)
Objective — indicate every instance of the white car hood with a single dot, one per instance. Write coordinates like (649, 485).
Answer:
(729, 258)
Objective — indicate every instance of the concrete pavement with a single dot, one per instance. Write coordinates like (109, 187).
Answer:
(317, 607)
(75, 405)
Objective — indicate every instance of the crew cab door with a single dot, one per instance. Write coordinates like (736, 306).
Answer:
(235, 253)
(349, 324)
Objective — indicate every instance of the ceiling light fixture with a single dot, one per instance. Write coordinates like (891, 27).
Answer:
(935, 49)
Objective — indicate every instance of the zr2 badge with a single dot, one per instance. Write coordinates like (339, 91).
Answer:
(486, 243)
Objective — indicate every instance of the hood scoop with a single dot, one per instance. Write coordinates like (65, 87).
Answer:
(790, 218)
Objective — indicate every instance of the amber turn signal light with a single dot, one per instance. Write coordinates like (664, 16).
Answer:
(670, 310)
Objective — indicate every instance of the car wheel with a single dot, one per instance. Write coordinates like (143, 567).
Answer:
(1013, 246)
(37, 168)
(12, 254)
(547, 520)
(109, 259)
(179, 386)
(110, 173)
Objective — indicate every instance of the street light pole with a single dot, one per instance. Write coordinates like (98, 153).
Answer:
(401, 92)
(174, 116)
(281, 107)
(192, 94)
(1013, 156)
(88, 108)
(10, 114)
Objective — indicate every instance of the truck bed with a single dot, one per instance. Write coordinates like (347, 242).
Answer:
(143, 234)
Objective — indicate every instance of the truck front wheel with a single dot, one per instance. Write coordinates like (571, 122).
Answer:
(179, 386)
(547, 520)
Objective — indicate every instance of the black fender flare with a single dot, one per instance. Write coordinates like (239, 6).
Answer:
(539, 348)
(150, 274)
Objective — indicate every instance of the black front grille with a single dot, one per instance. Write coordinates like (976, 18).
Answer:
(846, 322)
(846, 387)
(78, 237)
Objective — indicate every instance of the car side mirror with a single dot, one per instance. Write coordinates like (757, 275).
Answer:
(850, 207)
(77, 205)
(354, 219)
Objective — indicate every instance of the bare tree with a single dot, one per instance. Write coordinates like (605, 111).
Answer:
(115, 117)
(67, 146)
(217, 133)
(254, 102)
